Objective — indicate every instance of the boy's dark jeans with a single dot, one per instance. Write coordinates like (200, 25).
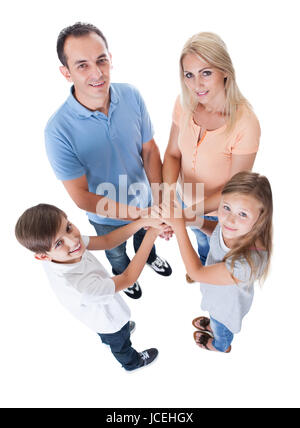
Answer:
(121, 348)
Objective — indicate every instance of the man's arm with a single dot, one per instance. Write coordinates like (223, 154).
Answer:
(79, 191)
(152, 166)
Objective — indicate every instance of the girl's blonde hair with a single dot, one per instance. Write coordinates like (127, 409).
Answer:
(257, 186)
(211, 48)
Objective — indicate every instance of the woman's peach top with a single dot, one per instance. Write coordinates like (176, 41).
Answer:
(208, 161)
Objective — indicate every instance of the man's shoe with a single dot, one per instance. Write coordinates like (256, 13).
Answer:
(161, 266)
(148, 356)
(134, 291)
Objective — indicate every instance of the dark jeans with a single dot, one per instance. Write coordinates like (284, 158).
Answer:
(121, 348)
(117, 256)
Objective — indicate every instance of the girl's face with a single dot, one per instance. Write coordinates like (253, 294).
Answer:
(238, 214)
(205, 83)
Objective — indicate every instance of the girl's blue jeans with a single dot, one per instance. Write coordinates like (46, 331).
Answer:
(222, 336)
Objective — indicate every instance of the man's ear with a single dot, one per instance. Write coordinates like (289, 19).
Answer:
(110, 57)
(66, 73)
(42, 256)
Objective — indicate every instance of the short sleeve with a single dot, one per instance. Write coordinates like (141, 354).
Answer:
(247, 135)
(62, 158)
(98, 290)
(241, 269)
(177, 111)
(86, 240)
(147, 130)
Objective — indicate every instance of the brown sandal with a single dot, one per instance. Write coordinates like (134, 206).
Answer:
(202, 340)
(203, 323)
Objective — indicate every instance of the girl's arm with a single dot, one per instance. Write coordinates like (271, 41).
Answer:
(120, 235)
(216, 274)
(135, 267)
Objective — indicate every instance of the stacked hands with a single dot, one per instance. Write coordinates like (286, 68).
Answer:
(166, 217)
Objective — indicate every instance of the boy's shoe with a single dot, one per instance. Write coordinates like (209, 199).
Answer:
(131, 326)
(161, 266)
(134, 291)
(148, 356)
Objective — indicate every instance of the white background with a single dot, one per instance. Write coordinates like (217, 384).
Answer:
(48, 359)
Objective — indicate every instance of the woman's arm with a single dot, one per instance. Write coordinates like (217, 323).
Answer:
(135, 267)
(239, 163)
(172, 160)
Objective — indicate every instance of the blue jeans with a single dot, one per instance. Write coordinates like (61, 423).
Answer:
(121, 348)
(203, 240)
(222, 336)
(117, 256)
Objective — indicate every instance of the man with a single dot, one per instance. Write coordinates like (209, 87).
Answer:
(100, 144)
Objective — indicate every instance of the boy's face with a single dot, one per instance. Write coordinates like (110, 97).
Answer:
(67, 246)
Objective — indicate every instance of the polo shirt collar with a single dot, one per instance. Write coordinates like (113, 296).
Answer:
(83, 112)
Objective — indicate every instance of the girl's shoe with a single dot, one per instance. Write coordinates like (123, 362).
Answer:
(203, 324)
(202, 340)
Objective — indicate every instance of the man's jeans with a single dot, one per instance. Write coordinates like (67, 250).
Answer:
(117, 256)
(121, 348)
(222, 336)
(203, 240)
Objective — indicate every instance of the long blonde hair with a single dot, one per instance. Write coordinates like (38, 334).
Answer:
(257, 186)
(211, 48)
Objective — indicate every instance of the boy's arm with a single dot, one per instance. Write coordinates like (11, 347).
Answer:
(120, 235)
(134, 269)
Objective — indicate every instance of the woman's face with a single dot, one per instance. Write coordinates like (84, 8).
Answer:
(205, 83)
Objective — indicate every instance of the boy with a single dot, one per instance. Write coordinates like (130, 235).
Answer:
(80, 281)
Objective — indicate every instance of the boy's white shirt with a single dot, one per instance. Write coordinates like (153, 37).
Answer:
(87, 291)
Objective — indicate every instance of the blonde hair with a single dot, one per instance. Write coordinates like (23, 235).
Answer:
(211, 48)
(257, 186)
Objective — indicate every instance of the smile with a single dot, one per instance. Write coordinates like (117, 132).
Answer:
(200, 94)
(78, 248)
(229, 228)
(97, 84)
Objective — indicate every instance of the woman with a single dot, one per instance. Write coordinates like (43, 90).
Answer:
(214, 133)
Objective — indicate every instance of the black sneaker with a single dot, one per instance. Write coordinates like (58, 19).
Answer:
(161, 266)
(148, 356)
(134, 291)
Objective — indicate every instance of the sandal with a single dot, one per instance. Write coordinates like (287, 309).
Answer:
(202, 340)
(201, 323)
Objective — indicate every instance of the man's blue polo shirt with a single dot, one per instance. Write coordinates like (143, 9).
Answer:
(107, 149)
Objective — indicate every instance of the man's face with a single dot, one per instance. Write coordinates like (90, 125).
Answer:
(88, 67)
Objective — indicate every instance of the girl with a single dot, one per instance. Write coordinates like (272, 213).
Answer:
(214, 132)
(240, 250)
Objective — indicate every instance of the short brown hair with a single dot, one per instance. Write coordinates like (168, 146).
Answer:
(38, 226)
(79, 29)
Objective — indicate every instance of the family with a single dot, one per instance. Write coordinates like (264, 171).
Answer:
(100, 144)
